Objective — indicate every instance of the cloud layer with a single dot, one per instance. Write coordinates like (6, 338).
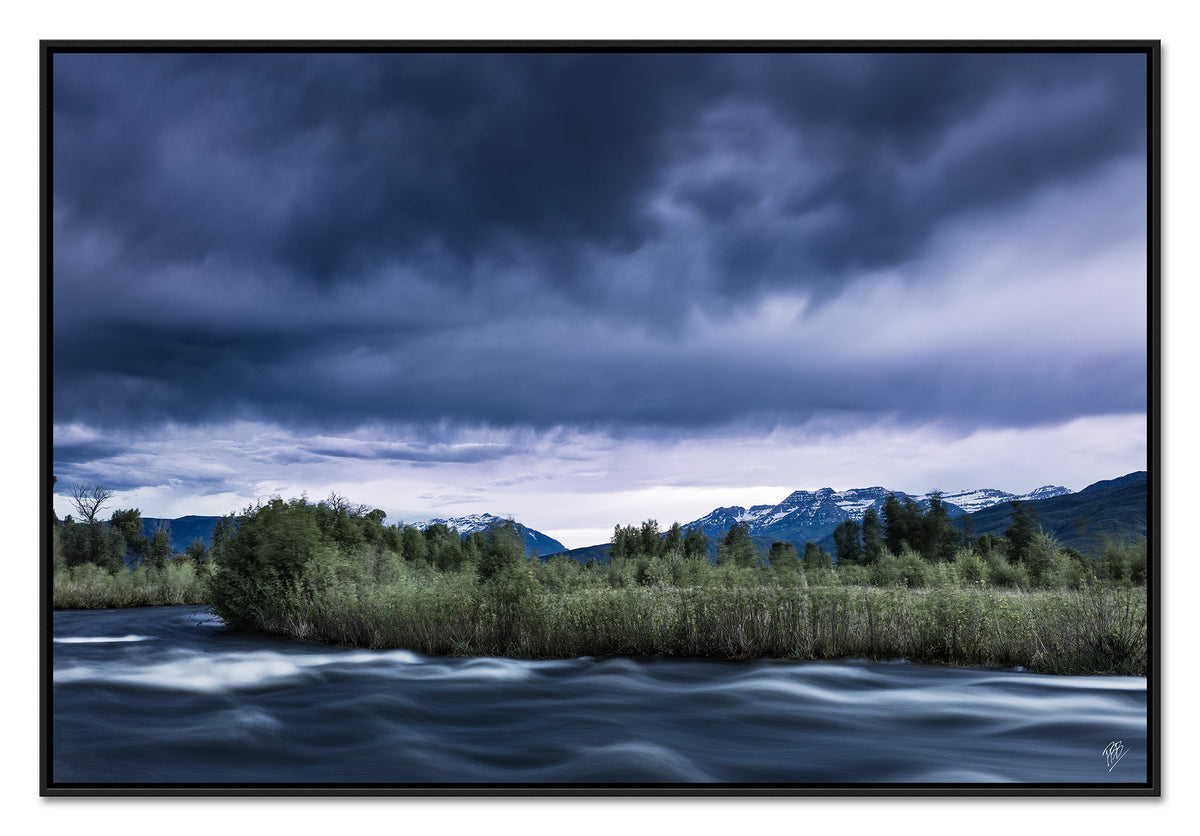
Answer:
(641, 246)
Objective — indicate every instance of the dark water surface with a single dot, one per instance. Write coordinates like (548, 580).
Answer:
(166, 694)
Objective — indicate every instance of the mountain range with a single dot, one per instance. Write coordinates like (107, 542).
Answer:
(1113, 508)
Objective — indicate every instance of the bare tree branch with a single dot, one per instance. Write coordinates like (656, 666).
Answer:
(89, 499)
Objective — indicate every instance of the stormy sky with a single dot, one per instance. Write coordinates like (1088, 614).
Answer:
(588, 289)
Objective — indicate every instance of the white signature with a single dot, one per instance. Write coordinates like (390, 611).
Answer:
(1113, 753)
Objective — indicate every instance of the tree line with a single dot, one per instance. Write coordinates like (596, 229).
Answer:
(117, 542)
(274, 547)
(900, 530)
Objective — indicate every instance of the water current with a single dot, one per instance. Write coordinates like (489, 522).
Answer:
(169, 695)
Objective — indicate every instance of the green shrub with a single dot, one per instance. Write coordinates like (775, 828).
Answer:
(1004, 574)
(970, 567)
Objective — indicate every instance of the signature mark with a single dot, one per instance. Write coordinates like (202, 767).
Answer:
(1113, 753)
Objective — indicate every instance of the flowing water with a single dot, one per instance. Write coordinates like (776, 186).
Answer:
(167, 694)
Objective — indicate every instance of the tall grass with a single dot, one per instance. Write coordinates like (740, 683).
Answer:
(1085, 631)
(899, 607)
(90, 587)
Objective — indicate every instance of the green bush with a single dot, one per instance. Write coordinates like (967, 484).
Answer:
(970, 567)
(88, 586)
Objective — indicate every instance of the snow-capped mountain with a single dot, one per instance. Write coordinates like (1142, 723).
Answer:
(535, 541)
(980, 498)
(811, 515)
(1045, 492)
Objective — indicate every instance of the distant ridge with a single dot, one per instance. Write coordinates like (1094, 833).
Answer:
(1114, 508)
(1119, 482)
(1108, 509)
(184, 529)
(535, 541)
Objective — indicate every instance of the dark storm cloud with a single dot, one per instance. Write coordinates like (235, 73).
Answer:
(329, 164)
(489, 239)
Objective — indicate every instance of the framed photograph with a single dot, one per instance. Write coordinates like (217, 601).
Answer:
(600, 418)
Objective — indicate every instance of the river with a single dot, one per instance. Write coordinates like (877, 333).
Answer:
(168, 695)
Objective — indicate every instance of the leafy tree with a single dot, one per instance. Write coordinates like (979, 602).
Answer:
(111, 556)
(129, 524)
(412, 544)
(695, 544)
(784, 557)
(736, 548)
(504, 549)
(443, 547)
(342, 521)
(288, 534)
(626, 541)
(847, 543)
(648, 539)
(940, 538)
(159, 550)
(197, 551)
(225, 528)
(672, 541)
(872, 536)
(902, 523)
(1022, 531)
(816, 558)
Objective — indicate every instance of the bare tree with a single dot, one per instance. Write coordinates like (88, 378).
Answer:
(342, 506)
(89, 499)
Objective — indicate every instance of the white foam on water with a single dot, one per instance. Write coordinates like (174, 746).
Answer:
(214, 674)
(100, 639)
(508, 670)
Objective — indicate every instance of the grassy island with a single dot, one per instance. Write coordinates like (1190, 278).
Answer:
(333, 572)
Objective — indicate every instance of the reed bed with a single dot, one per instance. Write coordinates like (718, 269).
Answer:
(1088, 631)
(89, 587)
(526, 613)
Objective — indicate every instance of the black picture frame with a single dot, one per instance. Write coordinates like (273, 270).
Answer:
(1151, 787)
